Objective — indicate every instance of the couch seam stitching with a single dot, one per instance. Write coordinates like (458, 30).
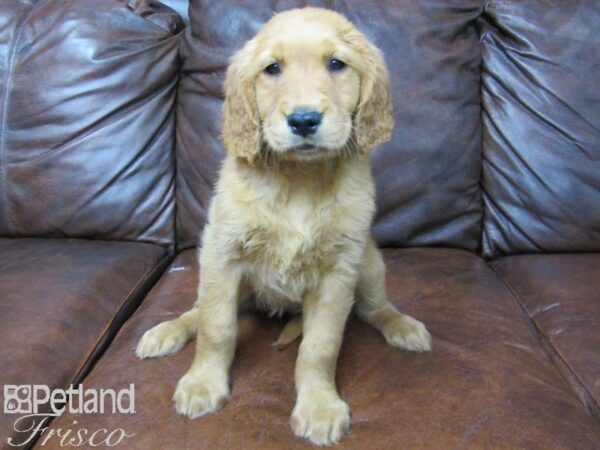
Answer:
(128, 297)
(480, 182)
(3, 118)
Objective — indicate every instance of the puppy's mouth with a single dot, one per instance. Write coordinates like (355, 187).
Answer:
(307, 149)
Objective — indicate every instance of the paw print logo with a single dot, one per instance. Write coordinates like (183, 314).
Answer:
(17, 399)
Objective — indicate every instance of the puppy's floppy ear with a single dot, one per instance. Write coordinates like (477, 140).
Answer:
(241, 124)
(374, 118)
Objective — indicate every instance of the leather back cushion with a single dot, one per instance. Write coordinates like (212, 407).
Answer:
(427, 176)
(541, 98)
(87, 119)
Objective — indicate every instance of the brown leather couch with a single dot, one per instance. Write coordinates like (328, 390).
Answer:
(488, 213)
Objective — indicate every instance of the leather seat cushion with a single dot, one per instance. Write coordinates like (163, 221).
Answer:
(486, 384)
(561, 294)
(61, 301)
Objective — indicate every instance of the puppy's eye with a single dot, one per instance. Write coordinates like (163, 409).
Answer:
(273, 69)
(335, 65)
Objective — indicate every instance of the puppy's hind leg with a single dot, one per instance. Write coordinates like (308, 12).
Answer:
(374, 308)
(169, 337)
(291, 332)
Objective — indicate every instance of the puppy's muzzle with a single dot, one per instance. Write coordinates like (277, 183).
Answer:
(304, 122)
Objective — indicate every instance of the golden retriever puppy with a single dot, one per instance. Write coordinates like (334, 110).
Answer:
(306, 101)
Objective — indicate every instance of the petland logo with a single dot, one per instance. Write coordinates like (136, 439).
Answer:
(38, 403)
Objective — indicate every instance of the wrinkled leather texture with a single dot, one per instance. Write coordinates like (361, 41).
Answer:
(180, 6)
(561, 294)
(427, 176)
(87, 119)
(487, 383)
(541, 127)
(61, 300)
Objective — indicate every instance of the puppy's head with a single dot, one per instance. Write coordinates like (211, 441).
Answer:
(308, 86)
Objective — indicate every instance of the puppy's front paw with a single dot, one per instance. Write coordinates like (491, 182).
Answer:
(164, 339)
(321, 417)
(407, 333)
(200, 394)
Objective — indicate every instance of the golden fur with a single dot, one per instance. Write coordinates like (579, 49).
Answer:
(289, 224)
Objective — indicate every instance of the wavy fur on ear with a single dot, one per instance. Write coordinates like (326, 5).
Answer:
(241, 122)
(374, 119)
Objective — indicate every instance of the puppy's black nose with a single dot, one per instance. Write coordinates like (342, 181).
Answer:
(304, 121)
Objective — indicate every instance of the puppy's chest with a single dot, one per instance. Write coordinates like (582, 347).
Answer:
(286, 250)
